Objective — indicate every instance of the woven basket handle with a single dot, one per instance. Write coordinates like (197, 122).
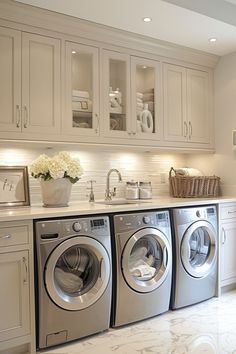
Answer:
(172, 172)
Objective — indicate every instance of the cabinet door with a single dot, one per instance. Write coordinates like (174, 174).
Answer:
(14, 295)
(198, 106)
(10, 82)
(82, 90)
(41, 103)
(228, 252)
(175, 120)
(146, 98)
(116, 94)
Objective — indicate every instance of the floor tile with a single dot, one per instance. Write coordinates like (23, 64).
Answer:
(205, 328)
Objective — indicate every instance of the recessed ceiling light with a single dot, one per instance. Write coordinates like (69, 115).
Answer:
(73, 52)
(144, 67)
(212, 40)
(147, 19)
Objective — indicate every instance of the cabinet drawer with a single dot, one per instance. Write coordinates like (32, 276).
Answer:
(14, 235)
(228, 212)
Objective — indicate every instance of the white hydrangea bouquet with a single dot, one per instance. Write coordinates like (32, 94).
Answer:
(61, 165)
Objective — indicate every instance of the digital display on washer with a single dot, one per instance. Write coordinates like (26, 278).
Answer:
(210, 211)
(97, 223)
(161, 216)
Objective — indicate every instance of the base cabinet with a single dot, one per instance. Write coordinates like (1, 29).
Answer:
(228, 244)
(16, 291)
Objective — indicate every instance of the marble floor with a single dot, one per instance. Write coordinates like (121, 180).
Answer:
(209, 328)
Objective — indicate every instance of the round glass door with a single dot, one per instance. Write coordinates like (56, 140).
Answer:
(198, 249)
(77, 273)
(146, 260)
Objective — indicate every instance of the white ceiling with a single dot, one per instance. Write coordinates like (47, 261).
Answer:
(186, 22)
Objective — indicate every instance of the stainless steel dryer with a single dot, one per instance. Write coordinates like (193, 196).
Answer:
(74, 278)
(143, 266)
(195, 260)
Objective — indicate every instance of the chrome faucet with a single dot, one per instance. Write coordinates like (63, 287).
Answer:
(109, 194)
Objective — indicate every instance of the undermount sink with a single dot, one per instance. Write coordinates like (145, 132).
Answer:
(120, 201)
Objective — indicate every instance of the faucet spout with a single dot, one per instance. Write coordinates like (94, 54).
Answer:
(109, 194)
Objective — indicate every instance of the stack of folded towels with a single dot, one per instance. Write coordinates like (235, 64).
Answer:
(139, 103)
(81, 101)
(148, 98)
(188, 172)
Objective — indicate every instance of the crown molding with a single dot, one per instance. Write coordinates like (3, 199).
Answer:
(61, 25)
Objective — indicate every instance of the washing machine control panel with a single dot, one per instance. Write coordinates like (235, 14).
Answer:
(61, 228)
(139, 220)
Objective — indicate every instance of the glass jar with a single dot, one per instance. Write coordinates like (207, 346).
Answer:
(132, 190)
(145, 190)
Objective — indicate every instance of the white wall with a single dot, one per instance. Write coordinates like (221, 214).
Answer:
(223, 162)
(141, 166)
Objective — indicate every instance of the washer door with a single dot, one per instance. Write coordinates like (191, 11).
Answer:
(146, 260)
(77, 273)
(199, 249)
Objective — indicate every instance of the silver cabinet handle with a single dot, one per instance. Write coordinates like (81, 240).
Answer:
(25, 277)
(185, 129)
(133, 133)
(223, 236)
(17, 116)
(190, 129)
(98, 123)
(232, 212)
(25, 116)
(6, 236)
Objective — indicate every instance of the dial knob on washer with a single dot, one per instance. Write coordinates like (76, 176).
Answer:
(77, 226)
(146, 219)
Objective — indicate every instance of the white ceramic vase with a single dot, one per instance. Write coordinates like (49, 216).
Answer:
(56, 192)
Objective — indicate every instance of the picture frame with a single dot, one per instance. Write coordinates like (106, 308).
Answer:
(14, 186)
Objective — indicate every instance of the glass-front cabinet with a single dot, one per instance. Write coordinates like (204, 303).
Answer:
(116, 91)
(146, 100)
(82, 89)
(131, 89)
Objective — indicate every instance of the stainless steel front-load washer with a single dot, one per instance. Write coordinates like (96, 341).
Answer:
(143, 266)
(73, 289)
(195, 259)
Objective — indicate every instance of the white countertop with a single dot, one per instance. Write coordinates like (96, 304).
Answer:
(86, 208)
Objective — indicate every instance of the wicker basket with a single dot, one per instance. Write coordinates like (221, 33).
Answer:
(193, 187)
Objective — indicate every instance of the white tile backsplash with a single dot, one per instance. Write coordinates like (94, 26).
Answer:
(139, 166)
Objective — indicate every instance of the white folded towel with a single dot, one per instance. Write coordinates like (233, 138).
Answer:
(85, 105)
(79, 93)
(139, 100)
(139, 95)
(138, 104)
(185, 171)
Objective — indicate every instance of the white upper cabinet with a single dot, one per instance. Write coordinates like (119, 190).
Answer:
(187, 116)
(41, 104)
(198, 114)
(146, 98)
(131, 88)
(10, 83)
(175, 115)
(82, 90)
(116, 94)
(30, 83)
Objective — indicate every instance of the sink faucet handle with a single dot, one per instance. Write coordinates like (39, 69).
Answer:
(91, 194)
(114, 192)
